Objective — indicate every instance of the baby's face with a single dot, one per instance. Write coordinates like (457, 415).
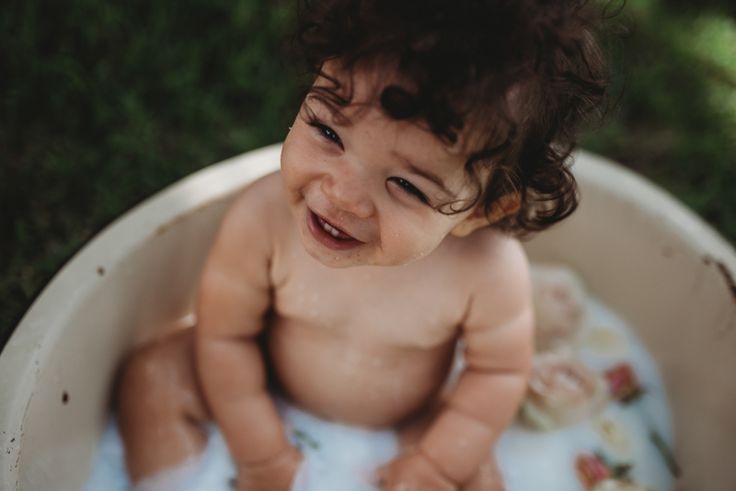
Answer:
(364, 187)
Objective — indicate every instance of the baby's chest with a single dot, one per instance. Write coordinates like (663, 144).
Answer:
(397, 313)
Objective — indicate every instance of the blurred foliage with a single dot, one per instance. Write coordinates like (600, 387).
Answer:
(675, 117)
(102, 104)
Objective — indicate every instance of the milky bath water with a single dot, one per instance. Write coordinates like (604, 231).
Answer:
(624, 442)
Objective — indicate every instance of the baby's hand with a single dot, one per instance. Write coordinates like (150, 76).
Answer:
(276, 474)
(413, 472)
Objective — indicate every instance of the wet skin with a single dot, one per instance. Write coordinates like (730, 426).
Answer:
(369, 288)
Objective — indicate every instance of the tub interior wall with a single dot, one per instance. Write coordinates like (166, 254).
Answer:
(681, 305)
(631, 260)
(135, 298)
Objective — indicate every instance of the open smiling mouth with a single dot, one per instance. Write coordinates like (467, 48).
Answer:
(328, 234)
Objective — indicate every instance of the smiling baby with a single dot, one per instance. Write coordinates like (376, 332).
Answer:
(433, 134)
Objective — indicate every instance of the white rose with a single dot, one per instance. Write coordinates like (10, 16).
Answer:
(559, 306)
(562, 391)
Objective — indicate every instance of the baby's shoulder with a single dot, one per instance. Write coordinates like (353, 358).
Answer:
(265, 194)
(490, 260)
(487, 248)
(257, 212)
(261, 203)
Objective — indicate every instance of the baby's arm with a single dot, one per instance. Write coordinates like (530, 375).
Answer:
(234, 295)
(498, 336)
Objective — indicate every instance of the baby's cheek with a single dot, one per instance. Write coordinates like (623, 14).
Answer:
(296, 167)
(290, 154)
(407, 244)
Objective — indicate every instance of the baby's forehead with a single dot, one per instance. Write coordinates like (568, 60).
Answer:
(365, 77)
(380, 86)
(362, 86)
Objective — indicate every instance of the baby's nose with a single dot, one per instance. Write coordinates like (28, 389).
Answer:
(348, 193)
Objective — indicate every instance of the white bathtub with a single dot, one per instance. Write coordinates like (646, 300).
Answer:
(645, 255)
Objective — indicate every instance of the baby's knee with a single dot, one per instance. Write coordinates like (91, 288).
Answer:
(161, 414)
(157, 375)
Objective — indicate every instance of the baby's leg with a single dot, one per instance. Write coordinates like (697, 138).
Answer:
(488, 477)
(161, 412)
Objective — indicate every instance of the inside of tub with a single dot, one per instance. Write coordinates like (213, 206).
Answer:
(595, 417)
(648, 264)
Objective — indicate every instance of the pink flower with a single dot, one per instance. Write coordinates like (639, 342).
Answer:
(623, 384)
(591, 470)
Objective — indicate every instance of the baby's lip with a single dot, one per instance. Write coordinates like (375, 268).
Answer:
(337, 225)
(343, 233)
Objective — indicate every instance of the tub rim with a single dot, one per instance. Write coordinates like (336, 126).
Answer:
(35, 335)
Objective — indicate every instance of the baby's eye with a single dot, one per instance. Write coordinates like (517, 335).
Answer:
(327, 132)
(409, 188)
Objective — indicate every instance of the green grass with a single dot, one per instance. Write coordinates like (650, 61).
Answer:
(676, 120)
(104, 103)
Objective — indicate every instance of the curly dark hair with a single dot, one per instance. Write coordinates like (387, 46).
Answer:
(522, 74)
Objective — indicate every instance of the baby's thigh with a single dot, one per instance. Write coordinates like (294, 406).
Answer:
(161, 413)
(161, 375)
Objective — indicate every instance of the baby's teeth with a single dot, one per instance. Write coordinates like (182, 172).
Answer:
(330, 229)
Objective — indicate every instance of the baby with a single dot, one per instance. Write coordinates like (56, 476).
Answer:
(433, 133)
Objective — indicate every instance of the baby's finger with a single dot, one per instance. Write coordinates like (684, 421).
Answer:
(380, 476)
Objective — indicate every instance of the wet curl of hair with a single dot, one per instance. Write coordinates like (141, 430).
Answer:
(518, 76)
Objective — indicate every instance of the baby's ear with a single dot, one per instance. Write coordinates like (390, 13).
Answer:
(503, 207)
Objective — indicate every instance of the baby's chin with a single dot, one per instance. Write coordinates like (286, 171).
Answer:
(357, 259)
(335, 259)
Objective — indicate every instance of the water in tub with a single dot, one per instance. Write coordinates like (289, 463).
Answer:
(595, 417)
